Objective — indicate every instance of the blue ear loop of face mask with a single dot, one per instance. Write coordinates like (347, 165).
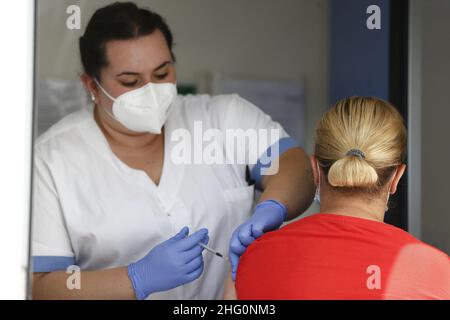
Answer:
(388, 195)
(317, 195)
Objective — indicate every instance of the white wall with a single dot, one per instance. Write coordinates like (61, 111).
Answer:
(286, 40)
(435, 123)
(15, 138)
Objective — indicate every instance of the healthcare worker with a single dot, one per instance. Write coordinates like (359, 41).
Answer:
(111, 202)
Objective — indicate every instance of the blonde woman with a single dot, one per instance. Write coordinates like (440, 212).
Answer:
(346, 251)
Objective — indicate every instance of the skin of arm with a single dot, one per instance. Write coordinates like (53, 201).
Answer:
(112, 284)
(293, 184)
(229, 292)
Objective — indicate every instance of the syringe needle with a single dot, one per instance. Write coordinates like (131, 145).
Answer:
(213, 251)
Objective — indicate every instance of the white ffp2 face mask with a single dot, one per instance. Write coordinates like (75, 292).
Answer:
(145, 109)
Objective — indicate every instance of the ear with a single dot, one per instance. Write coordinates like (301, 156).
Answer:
(314, 162)
(397, 176)
(90, 85)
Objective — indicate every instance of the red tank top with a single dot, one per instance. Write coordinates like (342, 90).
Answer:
(329, 256)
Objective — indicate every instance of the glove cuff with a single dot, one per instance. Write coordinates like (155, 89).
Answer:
(282, 208)
(132, 274)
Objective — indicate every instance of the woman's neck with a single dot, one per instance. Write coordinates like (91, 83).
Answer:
(353, 206)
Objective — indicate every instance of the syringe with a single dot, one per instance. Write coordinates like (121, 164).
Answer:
(213, 251)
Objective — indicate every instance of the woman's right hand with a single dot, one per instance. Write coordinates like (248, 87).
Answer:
(174, 262)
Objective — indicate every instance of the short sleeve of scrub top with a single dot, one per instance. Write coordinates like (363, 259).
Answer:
(50, 237)
(239, 113)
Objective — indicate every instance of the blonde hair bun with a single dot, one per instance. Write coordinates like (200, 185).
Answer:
(352, 171)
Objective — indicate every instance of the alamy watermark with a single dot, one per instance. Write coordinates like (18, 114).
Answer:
(73, 21)
(73, 281)
(234, 146)
(374, 280)
(374, 20)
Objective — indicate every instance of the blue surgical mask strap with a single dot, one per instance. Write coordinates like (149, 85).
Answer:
(317, 195)
(388, 195)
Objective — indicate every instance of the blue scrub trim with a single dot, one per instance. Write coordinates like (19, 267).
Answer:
(51, 263)
(273, 152)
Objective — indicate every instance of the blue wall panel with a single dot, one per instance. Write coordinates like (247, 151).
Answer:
(359, 57)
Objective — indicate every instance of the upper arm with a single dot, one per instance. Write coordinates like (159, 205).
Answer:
(293, 159)
(270, 139)
(230, 289)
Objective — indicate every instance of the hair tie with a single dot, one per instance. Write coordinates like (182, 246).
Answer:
(357, 153)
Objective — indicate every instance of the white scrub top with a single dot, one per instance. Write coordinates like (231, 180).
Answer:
(91, 207)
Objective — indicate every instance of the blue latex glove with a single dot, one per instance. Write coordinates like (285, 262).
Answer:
(269, 215)
(170, 264)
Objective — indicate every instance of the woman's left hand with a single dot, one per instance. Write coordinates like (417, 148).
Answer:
(269, 215)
